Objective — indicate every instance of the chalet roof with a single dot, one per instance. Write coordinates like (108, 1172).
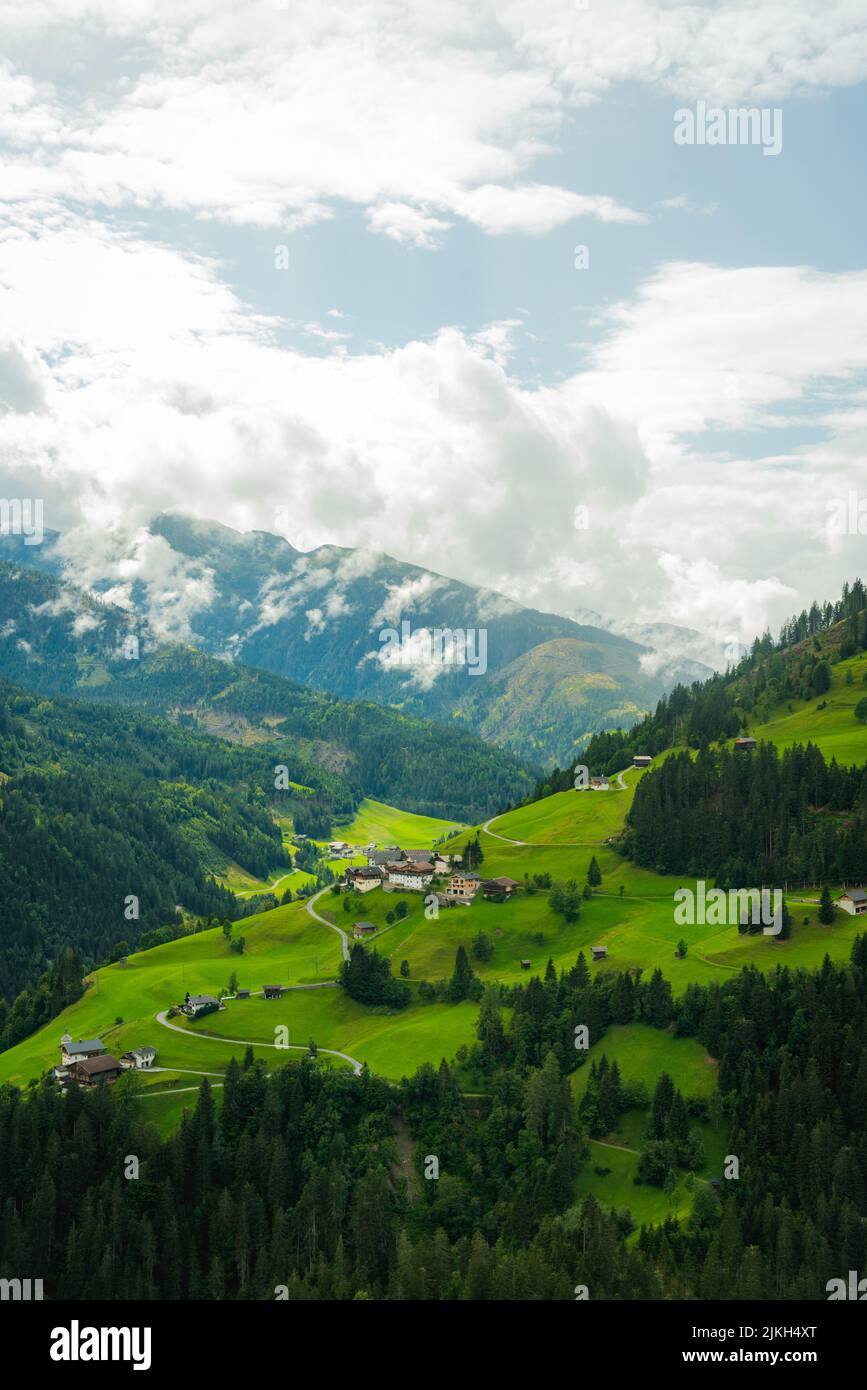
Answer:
(857, 895)
(146, 1051)
(202, 999)
(421, 855)
(382, 856)
(505, 882)
(94, 1066)
(364, 926)
(408, 867)
(78, 1049)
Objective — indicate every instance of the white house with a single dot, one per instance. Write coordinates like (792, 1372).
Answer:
(853, 901)
(363, 878)
(78, 1051)
(139, 1058)
(410, 875)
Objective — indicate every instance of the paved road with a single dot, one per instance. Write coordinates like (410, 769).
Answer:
(325, 922)
(488, 823)
(488, 831)
(243, 1042)
(185, 1071)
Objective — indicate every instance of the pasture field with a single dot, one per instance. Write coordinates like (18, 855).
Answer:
(288, 947)
(643, 1054)
(631, 914)
(377, 823)
(834, 729)
(572, 817)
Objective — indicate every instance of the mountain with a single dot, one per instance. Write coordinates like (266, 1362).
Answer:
(60, 641)
(788, 690)
(358, 624)
(99, 804)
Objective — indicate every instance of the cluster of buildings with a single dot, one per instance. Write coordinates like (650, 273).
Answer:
(88, 1061)
(399, 868)
(415, 870)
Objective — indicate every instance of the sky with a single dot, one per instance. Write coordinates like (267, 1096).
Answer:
(460, 283)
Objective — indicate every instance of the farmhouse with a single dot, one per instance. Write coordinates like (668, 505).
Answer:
(363, 929)
(197, 1005)
(853, 901)
(599, 952)
(272, 991)
(744, 745)
(77, 1051)
(410, 875)
(378, 858)
(463, 886)
(642, 760)
(139, 1058)
(364, 878)
(91, 1070)
(499, 887)
(599, 784)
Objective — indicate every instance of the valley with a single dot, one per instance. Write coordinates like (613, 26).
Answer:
(629, 914)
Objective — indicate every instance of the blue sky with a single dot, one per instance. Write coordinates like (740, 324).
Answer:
(430, 374)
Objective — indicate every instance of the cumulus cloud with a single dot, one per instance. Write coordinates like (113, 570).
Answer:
(165, 391)
(273, 114)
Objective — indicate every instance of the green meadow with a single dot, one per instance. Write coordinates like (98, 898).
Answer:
(643, 1054)
(288, 947)
(376, 823)
(631, 914)
(833, 728)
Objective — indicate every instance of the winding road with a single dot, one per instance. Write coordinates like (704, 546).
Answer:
(324, 920)
(488, 831)
(251, 1042)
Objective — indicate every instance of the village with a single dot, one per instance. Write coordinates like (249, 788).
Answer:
(88, 1062)
(415, 870)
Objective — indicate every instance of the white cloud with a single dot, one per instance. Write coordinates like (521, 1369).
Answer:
(162, 391)
(404, 223)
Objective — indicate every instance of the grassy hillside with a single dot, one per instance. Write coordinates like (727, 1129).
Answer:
(630, 913)
(284, 946)
(375, 822)
(827, 720)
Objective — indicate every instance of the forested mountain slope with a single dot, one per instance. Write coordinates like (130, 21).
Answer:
(545, 682)
(63, 642)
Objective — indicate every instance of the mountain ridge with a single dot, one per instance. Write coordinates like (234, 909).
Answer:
(322, 617)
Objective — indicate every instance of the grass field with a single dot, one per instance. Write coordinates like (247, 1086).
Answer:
(286, 946)
(834, 729)
(376, 823)
(569, 818)
(631, 914)
(643, 1054)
